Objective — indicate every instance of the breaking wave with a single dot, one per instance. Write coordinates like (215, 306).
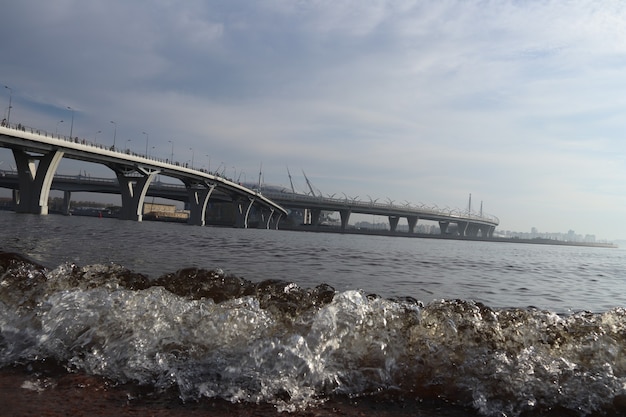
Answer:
(211, 335)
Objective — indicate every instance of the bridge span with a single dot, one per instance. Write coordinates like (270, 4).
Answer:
(467, 223)
(310, 207)
(38, 153)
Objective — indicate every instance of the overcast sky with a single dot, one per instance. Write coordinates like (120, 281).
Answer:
(520, 103)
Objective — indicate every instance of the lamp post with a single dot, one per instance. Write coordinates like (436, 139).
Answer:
(191, 149)
(96, 135)
(10, 97)
(114, 132)
(72, 125)
(56, 131)
(147, 136)
(172, 155)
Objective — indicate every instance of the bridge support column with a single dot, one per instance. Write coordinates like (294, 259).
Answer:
(133, 189)
(412, 223)
(266, 218)
(472, 230)
(198, 198)
(393, 223)
(315, 216)
(242, 211)
(35, 180)
(462, 228)
(274, 221)
(345, 217)
(67, 198)
(488, 231)
(443, 226)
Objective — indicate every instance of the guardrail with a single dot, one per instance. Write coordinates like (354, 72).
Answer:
(122, 151)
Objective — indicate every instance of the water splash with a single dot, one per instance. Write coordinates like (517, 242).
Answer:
(207, 334)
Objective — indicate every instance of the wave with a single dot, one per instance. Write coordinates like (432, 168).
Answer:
(211, 335)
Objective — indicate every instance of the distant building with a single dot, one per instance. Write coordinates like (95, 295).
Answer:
(152, 211)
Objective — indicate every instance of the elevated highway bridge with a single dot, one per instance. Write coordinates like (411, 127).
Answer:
(468, 223)
(38, 153)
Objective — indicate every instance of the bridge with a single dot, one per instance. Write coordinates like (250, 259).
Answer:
(311, 207)
(38, 153)
(467, 223)
(135, 179)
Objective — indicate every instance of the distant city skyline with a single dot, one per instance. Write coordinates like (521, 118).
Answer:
(520, 104)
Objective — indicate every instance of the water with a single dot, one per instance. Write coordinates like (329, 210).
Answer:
(299, 320)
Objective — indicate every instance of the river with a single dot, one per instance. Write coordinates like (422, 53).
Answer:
(308, 322)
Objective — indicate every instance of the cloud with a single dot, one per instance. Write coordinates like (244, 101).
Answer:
(519, 103)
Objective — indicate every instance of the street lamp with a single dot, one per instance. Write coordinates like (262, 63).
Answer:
(10, 97)
(147, 136)
(72, 125)
(96, 135)
(114, 132)
(172, 155)
(56, 131)
(192, 154)
(128, 145)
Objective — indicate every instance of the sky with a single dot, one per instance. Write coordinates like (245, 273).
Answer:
(521, 104)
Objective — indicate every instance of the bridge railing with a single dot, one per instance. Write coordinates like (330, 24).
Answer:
(94, 144)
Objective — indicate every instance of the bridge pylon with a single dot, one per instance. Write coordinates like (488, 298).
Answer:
(199, 195)
(393, 223)
(242, 211)
(35, 174)
(345, 218)
(134, 183)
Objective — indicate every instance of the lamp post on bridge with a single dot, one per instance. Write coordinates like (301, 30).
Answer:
(147, 136)
(10, 98)
(96, 135)
(72, 125)
(192, 154)
(172, 154)
(56, 131)
(114, 133)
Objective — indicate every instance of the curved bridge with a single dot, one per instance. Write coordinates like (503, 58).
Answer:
(311, 207)
(38, 154)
